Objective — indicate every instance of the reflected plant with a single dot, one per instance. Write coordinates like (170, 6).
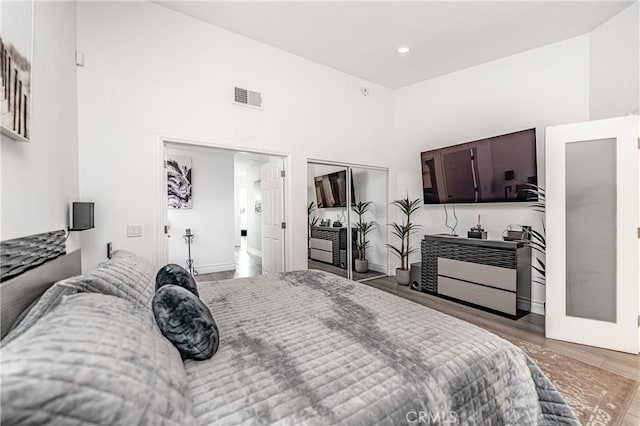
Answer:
(538, 240)
(362, 227)
(311, 221)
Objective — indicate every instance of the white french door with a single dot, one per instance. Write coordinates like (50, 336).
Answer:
(273, 217)
(592, 276)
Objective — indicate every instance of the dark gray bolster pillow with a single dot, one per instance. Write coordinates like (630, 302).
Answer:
(186, 322)
(177, 275)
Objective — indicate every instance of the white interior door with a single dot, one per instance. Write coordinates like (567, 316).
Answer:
(273, 217)
(592, 211)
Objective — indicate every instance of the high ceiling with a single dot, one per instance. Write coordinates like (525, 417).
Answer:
(362, 38)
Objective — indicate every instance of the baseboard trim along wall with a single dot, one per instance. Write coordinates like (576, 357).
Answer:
(221, 267)
(378, 268)
(537, 306)
(254, 252)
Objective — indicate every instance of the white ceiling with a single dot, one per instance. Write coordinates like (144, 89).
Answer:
(361, 38)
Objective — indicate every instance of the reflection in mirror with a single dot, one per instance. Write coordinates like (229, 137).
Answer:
(327, 218)
(369, 219)
(346, 233)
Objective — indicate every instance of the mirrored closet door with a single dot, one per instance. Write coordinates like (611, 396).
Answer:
(368, 217)
(347, 216)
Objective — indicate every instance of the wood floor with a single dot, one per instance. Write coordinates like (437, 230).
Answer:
(531, 329)
(357, 276)
(247, 265)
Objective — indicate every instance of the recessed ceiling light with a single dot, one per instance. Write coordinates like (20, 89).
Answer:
(403, 50)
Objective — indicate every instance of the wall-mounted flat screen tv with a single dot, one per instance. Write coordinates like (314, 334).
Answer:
(331, 190)
(493, 170)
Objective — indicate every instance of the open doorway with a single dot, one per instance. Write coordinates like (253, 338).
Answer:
(248, 213)
(213, 211)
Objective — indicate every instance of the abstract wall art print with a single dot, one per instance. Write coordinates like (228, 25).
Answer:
(179, 182)
(16, 47)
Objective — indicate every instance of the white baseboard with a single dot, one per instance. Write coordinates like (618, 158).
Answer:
(537, 306)
(378, 268)
(221, 267)
(254, 252)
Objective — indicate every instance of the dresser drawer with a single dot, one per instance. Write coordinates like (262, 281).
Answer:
(493, 276)
(321, 255)
(317, 243)
(492, 298)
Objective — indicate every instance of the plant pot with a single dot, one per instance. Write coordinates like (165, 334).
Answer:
(362, 266)
(403, 276)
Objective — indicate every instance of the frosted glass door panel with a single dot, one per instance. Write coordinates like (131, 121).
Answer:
(591, 229)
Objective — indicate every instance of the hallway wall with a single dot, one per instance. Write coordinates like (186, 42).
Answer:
(213, 202)
(246, 176)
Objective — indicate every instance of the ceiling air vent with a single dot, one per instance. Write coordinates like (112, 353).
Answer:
(247, 98)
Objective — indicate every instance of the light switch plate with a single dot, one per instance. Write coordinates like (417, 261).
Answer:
(134, 231)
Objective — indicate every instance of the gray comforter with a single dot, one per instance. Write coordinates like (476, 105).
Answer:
(310, 347)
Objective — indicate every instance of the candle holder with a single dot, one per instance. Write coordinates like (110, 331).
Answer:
(188, 239)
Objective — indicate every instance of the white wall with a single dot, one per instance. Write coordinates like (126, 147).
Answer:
(213, 202)
(40, 178)
(151, 71)
(615, 65)
(537, 88)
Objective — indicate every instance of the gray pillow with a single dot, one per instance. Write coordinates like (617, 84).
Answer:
(176, 275)
(93, 359)
(186, 322)
(126, 275)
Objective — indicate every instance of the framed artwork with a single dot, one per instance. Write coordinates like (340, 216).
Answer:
(16, 53)
(179, 182)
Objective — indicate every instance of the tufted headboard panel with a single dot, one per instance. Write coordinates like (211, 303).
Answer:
(29, 266)
(21, 254)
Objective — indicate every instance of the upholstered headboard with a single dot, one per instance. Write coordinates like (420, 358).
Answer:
(30, 265)
(21, 254)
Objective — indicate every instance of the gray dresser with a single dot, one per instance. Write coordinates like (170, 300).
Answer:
(329, 245)
(489, 274)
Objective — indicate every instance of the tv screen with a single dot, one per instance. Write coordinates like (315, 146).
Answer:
(493, 170)
(331, 190)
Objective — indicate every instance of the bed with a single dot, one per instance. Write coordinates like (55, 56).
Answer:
(303, 347)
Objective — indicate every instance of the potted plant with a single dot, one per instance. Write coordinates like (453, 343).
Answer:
(403, 230)
(538, 240)
(311, 222)
(363, 228)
